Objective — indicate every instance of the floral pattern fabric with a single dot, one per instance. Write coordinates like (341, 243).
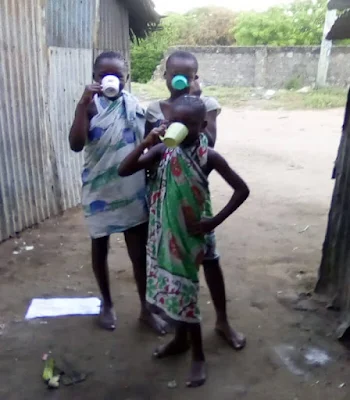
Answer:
(178, 193)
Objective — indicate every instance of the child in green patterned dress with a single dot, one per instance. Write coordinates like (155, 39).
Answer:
(176, 243)
(184, 63)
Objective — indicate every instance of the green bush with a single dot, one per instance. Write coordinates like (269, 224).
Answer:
(297, 24)
(144, 60)
(147, 54)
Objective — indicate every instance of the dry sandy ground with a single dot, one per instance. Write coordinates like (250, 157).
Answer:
(287, 159)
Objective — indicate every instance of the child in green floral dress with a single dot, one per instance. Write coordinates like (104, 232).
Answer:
(176, 232)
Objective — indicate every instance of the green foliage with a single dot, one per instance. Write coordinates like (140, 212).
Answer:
(146, 55)
(200, 27)
(209, 26)
(297, 24)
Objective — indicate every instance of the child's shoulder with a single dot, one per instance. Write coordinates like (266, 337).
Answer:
(131, 99)
(214, 155)
(211, 104)
(214, 160)
(154, 112)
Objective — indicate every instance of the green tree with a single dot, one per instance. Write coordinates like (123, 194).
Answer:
(146, 54)
(208, 26)
(297, 24)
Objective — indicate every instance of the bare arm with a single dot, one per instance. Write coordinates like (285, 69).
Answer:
(210, 130)
(148, 128)
(137, 160)
(241, 191)
(80, 128)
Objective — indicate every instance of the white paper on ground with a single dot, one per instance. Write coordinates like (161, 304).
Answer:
(40, 308)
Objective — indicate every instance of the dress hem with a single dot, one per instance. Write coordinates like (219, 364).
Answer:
(153, 308)
(99, 236)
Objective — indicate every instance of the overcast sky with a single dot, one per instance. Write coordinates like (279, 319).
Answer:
(164, 6)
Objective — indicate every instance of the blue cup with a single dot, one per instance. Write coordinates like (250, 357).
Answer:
(179, 82)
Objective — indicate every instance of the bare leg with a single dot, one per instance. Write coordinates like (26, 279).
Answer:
(178, 345)
(198, 374)
(99, 251)
(136, 240)
(215, 281)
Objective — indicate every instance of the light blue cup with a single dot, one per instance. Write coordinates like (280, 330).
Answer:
(179, 82)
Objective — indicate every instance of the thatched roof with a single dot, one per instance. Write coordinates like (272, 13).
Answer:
(143, 18)
(341, 28)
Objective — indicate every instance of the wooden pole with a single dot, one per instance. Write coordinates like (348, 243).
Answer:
(326, 48)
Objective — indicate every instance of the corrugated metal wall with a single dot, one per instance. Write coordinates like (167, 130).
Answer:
(113, 32)
(70, 71)
(26, 174)
(71, 23)
(46, 55)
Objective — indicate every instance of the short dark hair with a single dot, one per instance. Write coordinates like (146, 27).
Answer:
(194, 103)
(111, 55)
(184, 55)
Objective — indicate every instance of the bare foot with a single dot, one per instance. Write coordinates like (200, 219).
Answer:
(154, 322)
(107, 318)
(174, 348)
(198, 374)
(235, 339)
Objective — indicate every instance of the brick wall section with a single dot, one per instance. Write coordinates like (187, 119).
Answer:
(270, 67)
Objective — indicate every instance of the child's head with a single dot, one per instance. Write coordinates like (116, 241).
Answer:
(111, 63)
(190, 111)
(181, 63)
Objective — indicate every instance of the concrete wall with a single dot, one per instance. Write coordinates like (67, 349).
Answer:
(270, 67)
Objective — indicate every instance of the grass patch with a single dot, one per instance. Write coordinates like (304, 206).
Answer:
(252, 97)
(230, 96)
(153, 90)
(319, 99)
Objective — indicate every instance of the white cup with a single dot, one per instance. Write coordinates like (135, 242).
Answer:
(110, 86)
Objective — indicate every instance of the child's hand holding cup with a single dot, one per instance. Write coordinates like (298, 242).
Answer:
(172, 135)
(154, 136)
(175, 135)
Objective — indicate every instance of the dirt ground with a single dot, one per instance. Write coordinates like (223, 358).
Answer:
(270, 253)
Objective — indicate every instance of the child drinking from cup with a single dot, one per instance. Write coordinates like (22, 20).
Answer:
(108, 125)
(176, 242)
(180, 65)
(183, 66)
